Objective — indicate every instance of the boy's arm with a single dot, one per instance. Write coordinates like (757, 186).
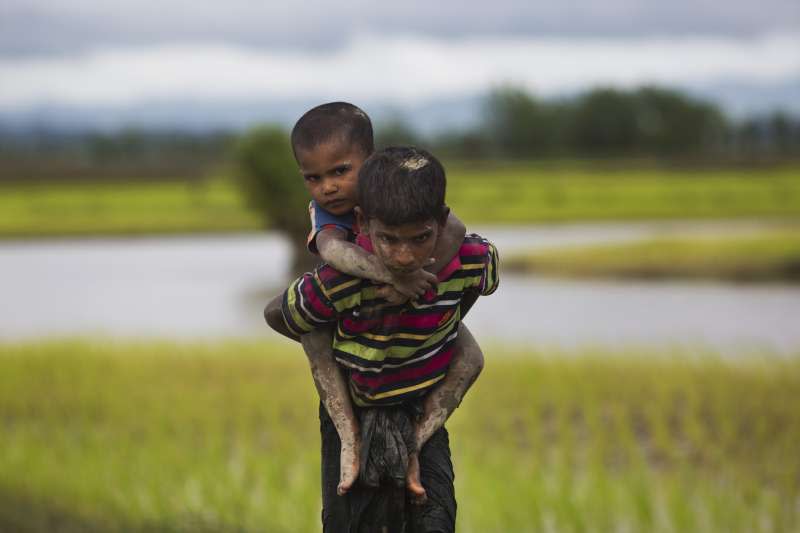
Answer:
(450, 241)
(301, 308)
(440, 403)
(344, 256)
(347, 257)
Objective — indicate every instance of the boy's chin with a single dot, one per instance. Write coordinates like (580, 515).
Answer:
(339, 208)
(403, 272)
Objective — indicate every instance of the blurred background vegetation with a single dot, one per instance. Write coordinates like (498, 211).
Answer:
(605, 154)
(651, 123)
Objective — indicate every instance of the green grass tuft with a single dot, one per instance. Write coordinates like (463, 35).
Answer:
(770, 256)
(168, 437)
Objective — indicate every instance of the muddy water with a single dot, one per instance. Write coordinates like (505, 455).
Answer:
(209, 287)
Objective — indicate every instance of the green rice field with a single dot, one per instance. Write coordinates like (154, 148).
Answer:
(101, 436)
(574, 191)
(479, 193)
(767, 256)
(42, 209)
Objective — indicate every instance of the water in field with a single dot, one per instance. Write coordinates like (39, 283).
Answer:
(204, 287)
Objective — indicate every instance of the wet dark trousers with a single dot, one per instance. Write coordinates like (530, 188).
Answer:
(366, 510)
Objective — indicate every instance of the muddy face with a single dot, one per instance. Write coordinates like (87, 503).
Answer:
(406, 248)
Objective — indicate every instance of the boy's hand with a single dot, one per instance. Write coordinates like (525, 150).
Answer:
(388, 293)
(415, 284)
(391, 295)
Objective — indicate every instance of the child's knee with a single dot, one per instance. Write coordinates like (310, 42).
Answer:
(468, 351)
(474, 354)
(318, 343)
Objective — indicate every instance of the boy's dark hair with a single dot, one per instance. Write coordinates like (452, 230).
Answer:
(401, 185)
(335, 120)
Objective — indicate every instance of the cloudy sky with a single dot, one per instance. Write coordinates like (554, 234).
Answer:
(125, 52)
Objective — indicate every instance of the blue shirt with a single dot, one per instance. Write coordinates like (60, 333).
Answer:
(321, 219)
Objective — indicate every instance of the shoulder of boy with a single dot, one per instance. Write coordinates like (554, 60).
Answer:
(343, 291)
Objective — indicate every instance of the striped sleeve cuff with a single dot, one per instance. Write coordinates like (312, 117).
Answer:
(305, 307)
(491, 277)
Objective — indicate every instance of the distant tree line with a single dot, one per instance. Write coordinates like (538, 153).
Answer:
(604, 122)
(124, 155)
(649, 121)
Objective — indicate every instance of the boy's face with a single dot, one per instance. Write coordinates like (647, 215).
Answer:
(330, 171)
(403, 249)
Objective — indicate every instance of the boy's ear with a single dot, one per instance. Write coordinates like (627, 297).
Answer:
(363, 223)
(443, 217)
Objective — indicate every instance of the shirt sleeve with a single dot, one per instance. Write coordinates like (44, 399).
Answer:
(305, 305)
(321, 219)
(490, 277)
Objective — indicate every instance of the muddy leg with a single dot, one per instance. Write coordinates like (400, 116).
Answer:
(440, 403)
(335, 397)
(413, 483)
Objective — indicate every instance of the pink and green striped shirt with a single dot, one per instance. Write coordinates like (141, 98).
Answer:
(405, 350)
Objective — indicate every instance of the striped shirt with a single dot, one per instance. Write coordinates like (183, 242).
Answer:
(405, 350)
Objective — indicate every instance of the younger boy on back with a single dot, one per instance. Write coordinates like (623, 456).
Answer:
(330, 143)
(406, 354)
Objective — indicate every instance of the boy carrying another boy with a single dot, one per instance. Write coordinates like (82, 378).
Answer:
(390, 357)
(330, 143)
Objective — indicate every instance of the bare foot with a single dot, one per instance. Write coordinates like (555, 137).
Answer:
(413, 484)
(348, 465)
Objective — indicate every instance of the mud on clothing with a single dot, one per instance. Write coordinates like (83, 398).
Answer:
(402, 353)
(367, 509)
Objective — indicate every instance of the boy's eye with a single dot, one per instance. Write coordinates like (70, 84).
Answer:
(339, 171)
(312, 177)
(421, 238)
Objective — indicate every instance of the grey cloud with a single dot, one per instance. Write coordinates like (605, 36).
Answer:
(68, 26)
